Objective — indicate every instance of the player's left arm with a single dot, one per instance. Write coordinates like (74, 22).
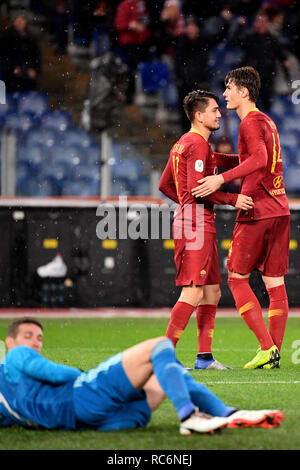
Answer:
(226, 160)
(24, 360)
(253, 134)
(240, 201)
(196, 168)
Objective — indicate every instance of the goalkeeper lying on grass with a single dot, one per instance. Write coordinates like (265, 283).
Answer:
(120, 393)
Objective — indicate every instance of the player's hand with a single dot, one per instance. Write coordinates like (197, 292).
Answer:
(208, 185)
(244, 202)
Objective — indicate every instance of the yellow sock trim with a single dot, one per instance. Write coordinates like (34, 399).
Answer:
(275, 312)
(246, 307)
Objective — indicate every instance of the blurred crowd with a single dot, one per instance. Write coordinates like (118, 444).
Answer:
(197, 41)
(181, 32)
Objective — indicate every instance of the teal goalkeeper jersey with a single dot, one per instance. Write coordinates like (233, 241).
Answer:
(36, 392)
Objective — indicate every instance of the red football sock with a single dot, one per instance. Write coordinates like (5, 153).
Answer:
(278, 313)
(249, 307)
(180, 316)
(205, 316)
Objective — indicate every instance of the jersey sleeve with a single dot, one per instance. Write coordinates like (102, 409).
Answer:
(252, 132)
(218, 197)
(226, 160)
(24, 360)
(166, 183)
(196, 170)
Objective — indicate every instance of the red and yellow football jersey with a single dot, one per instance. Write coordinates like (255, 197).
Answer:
(191, 159)
(260, 169)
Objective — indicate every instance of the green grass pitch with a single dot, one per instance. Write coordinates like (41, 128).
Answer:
(86, 342)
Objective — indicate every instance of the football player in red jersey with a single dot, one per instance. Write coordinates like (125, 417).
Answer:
(194, 232)
(261, 235)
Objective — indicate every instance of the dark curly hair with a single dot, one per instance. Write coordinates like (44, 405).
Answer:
(247, 77)
(197, 100)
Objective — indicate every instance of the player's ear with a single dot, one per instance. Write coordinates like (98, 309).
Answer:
(244, 92)
(10, 343)
(198, 116)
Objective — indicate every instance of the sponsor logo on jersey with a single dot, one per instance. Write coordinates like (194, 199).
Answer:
(277, 181)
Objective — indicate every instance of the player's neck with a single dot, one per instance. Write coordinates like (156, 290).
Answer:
(245, 108)
(201, 130)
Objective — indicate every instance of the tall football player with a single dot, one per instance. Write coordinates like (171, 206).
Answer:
(261, 235)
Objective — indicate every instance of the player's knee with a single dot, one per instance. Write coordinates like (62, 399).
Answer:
(196, 298)
(271, 282)
(218, 295)
(160, 339)
(192, 295)
(213, 296)
(162, 343)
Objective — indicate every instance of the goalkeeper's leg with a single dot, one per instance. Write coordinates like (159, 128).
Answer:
(158, 357)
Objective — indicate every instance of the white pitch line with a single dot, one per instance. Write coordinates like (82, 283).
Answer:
(253, 383)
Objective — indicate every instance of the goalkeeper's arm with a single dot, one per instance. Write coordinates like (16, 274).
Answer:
(24, 360)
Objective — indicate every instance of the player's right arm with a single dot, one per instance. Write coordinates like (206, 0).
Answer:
(24, 360)
(167, 185)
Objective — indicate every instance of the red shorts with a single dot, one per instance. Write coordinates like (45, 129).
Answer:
(198, 267)
(262, 245)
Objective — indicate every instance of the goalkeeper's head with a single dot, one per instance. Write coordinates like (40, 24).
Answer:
(25, 331)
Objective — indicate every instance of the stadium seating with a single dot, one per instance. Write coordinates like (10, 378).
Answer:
(56, 158)
(154, 80)
(33, 102)
(154, 75)
(19, 123)
(57, 120)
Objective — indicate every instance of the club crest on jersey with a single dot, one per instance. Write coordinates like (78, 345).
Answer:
(203, 273)
(199, 165)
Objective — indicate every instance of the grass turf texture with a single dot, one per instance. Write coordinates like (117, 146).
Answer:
(86, 342)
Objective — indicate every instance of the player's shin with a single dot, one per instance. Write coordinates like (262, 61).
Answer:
(171, 378)
(249, 307)
(205, 316)
(278, 313)
(180, 316)
(204, 399)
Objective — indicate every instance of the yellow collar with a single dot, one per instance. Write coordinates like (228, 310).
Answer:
(197, 132)
(250, 111)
